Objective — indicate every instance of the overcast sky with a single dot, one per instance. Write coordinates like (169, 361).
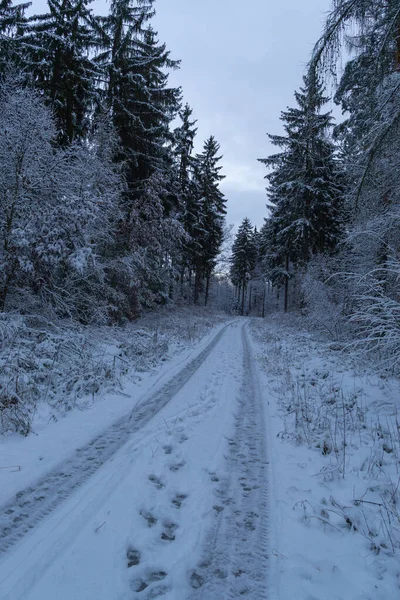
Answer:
(241, 62)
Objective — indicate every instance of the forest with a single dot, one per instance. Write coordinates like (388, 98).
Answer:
(330, 247)
(196, 404)
(107, 213)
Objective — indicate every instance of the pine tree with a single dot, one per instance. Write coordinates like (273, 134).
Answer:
(137, 93)
(208, 232)
(57, 53)
(12, 21)
(243, 259)
(142, 106)
(184, 137)
(305, 186)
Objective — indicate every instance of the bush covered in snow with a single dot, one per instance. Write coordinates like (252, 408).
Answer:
(64, 366)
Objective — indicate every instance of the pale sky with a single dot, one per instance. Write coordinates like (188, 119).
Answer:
(241, 63)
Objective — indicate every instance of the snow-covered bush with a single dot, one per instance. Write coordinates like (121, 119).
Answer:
(52, 367)
(377, 315)
(324, 296)
(57, 210)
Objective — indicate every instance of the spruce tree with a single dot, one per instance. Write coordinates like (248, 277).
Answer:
(57, 52)
(184, 137)
(208, 231)
(12, 21)
(243, 259)
(305, 185)
(137, 93)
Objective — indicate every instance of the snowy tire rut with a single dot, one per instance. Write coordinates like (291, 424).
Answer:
(29, 506)
(234, 562)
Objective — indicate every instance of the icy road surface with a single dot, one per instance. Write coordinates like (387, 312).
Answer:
(168, 502)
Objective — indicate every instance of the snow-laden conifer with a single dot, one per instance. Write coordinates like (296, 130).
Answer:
(305, 186)
(57, 48)
(208, 231)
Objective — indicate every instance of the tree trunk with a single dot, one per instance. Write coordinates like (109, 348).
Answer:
(197, 283)
(207, 288)
(263, 303)
(250, 293)
(243, 297)
(286, 285)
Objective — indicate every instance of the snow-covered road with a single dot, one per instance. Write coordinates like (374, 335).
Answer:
(170, 501)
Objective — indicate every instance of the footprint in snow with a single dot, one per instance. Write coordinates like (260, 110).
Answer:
(168, 449)
(157, 482)
(196, 580)
(139, 585)
(177, 466)
(133, 557)
(178, 499)
(168, 535)
(149, 517)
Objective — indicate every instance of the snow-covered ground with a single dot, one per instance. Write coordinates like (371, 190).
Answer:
(334, 447)
(258, 466)
(168, 485)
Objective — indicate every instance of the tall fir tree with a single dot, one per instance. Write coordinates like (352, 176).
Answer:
(12, 22)
(208, 231)
(305, 186)
(141, 103)
(184, 137)
(58, 47)
(243, 259)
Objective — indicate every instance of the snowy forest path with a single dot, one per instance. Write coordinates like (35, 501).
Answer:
(30, 505)
(235, 557)
(171, 502)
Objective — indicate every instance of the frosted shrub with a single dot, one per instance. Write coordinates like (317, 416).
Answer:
(323, 300)
(377, 315)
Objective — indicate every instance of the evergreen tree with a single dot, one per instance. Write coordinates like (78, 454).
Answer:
(57, 48)
(141, 103)
(305, 185)
(142, 107)
(243, 259)
(184, 136)
(208, 231)
(12, 21)
(369, 93)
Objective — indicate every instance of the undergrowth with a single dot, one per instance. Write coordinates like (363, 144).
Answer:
(66, 366)
(357, 435)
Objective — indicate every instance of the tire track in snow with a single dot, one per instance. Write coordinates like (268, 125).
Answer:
(235, 558)
(30, 505)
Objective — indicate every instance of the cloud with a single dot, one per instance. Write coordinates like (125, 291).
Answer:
(243, 177)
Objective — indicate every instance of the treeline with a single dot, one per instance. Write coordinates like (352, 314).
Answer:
(104, 208)
(331, 244)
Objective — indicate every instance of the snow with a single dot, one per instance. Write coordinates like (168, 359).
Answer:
(315, 553)
(210, 488)
(175, 454)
